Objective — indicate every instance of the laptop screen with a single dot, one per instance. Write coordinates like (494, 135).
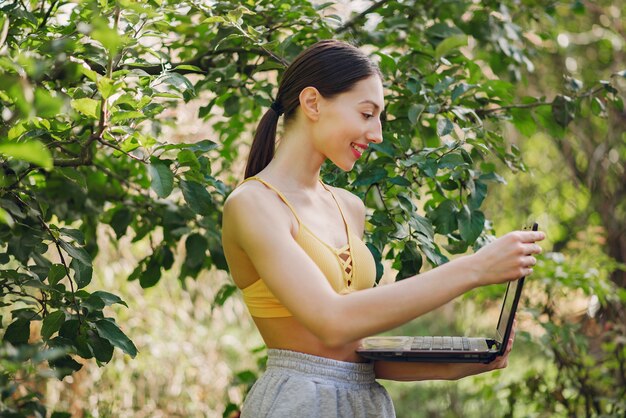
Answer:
(507, 307)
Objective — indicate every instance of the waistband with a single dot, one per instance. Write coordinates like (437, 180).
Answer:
(322, 367)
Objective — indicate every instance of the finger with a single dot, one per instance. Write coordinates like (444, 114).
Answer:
(532, 236)
(533, 248)
(528, 261)
(509, 346)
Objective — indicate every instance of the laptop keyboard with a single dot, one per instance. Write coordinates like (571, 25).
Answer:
(440, 343)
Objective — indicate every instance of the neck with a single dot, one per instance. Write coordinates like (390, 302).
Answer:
(296, 164)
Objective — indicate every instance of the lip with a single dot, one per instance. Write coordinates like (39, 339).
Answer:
(356, 153)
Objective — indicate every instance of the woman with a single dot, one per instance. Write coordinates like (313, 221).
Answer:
(294, 246)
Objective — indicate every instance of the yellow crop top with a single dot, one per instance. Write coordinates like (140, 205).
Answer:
(347, 269)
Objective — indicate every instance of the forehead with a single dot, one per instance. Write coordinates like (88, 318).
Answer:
(368, 91)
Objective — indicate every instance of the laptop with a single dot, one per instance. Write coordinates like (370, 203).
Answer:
(444, 349)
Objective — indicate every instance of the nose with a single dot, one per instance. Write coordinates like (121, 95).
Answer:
(375, 134)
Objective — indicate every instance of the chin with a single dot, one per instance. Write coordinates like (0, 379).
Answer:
(346, 166)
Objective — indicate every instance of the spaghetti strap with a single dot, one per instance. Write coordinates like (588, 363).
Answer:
(338, 206)
(346, 263)
(282, 196)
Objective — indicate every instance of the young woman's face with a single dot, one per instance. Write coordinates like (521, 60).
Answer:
(349, 122)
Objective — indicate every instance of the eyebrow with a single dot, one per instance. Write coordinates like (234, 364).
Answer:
(376, 106)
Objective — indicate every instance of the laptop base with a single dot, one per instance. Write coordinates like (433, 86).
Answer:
(430, 349)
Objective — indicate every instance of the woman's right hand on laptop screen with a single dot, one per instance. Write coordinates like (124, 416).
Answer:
(510, 257)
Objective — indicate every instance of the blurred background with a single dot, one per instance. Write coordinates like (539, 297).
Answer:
(114, 111)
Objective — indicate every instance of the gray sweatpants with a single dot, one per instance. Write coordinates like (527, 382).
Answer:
(306, 386)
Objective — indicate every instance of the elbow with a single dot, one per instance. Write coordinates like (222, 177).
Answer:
(332, 335)
(332, 332)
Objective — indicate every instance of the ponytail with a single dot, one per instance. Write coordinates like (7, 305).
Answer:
(262, 150)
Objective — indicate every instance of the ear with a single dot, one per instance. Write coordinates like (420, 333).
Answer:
(310, 99)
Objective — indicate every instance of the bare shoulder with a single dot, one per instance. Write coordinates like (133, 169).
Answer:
(254, 203)
(353, 205)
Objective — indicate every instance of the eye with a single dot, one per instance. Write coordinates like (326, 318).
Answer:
(367, 115)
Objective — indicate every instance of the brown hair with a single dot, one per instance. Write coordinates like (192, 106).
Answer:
(331, 66)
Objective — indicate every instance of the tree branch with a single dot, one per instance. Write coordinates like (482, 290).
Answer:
(202, 61)
(356, 19)
(56, 243)
(484, 112)
(47, 16)
(115, 147)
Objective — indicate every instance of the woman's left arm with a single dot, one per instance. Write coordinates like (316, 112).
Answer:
(410, 372)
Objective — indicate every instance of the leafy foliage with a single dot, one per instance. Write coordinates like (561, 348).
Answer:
(85, 94)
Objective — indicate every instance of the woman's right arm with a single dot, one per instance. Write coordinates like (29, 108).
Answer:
(260, 229)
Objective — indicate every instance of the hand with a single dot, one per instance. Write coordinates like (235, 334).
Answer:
(509, 257)
(469, 369)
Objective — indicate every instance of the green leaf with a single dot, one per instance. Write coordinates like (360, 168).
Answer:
(162, 179)
(415, 111)
(82, 273)
(102, 348)
(471, 223)
(75, 234)
(400, 181)
(387, 64)
(86, 106)
(6, 218)
(32, 151)
(597, 107)
(451, 160)
(109, 298)
(367, 177)
(197, 197)
(56, 273)
(93, 303)
(110, 331)
(478, 195)
(106, 87)
(189, 67)
(411, 260)
(47, 105)
(444, 217)
(524, 122)
(120, 221)
(461, 89)
(121, 116)
(450, 44)
(188, 158)
(151, 275)
(225, 292)
(51, 324)
(444, 126)
(380, 269)
(76, 252)
(422, 226)
(563, 110)
(65, 366)
(178, 82)
(18, 332)
(110, 39)
(196, 246)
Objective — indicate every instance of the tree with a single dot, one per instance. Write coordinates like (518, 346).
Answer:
(84, 96)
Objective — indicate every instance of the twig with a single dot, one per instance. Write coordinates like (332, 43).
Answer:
(115, 147)
(482, 112)
(47, 16)
(56, 243)
(356, 19)
(380, 194)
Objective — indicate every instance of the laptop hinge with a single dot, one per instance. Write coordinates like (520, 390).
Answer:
(492, 343)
